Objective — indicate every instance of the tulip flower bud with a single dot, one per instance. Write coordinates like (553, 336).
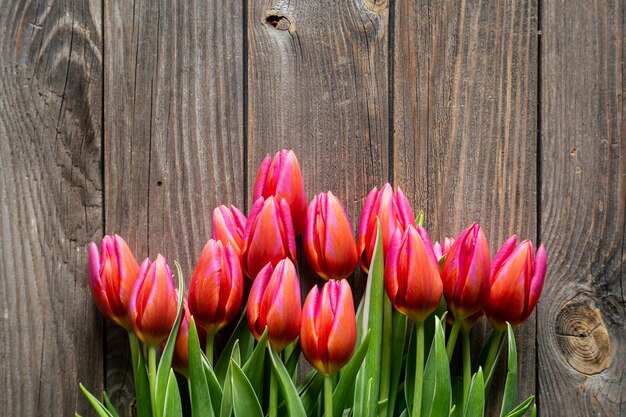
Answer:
(153, 302)
(181, 348)
(517, 276)
(229, 226)
(328, 242)
(274, 301)
(412, 274)
(393, 211)
(216, 287)
(441, 251)
(269, 235)
(112, 274)
(466, 273)
(282, 178)
(328, 332)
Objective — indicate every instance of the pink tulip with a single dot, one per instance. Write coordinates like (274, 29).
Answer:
(229, 226)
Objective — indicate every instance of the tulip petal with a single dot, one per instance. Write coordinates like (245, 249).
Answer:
(503, 253)
(261, 178)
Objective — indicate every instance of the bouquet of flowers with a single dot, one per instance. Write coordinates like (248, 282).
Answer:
(389, 357)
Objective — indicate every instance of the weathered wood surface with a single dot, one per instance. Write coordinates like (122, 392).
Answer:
(582, 336)
(50, 204)
(173, 141)
(464, 138)
(139, 118)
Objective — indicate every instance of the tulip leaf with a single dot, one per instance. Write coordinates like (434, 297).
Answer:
(142, 383)
(510, 387)
(534, 412)
(521, 409)
(109, 405)
(366, 405)
(344, 391)
(243, 335)
(311, 392)
(475, 406)
(495, 341)
(437, 385)
(95, 403)
(172, 406)
(294, 406)
(245, 401)
(457, 397)
(215, 389)
(165, 363)
(226, 407)
(292, 359)
(385, 360)
(409, 371)
(198, 385)
(398, 338)
(253, 368)
(419, 220)
(235, 355)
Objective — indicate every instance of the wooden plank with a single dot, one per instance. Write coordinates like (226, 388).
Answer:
(50, 204)
(465, 80)
(582, 343)
(173, 133)
(318, 85)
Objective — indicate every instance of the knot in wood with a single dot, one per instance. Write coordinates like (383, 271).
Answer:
(583, 338)
(279, 22)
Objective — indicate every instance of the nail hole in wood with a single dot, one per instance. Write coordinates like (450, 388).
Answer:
(159, 183)
(278, 22)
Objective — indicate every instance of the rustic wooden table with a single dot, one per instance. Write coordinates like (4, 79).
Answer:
(138, 117)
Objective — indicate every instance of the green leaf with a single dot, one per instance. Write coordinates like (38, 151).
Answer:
(385, 359)
(226, 407)
(409, 371)
(292, 359)
(245, 401)
(344, 391)
(165, 364)
(399, 323)
(437, 385)
(476, 398)
(109, 405)
(457, 397)
(510, 387)
(534, 412)
(372, 319)
(95, 403)
(294, 406)
(142, 383)
(246, 341)
(215, 389)
(419, 220)
(172, 406)
(253, 368)
(235, 355)
(442, 261)
(521, 409)
(198, 385)
(311, 392)
(495, 338)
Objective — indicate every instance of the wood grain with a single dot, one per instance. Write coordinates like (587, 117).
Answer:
(173, 134)
(50, 204)
(465, 104)
(318, 85)
(582, 337)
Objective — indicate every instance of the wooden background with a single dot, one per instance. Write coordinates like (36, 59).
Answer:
(138, 117)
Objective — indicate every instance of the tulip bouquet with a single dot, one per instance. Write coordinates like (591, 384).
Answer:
(389, 357)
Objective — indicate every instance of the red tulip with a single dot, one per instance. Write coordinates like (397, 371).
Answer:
(274, 302)
(181, 348)
(112, 274)
(440, 250)
(412, 274)
(229, 226)
(466, 274)
(282, 178)
(328, 332)
(517, 276)
(328, 242)
(153, 302)
(216, 287)
(269, 235)
(393, 211)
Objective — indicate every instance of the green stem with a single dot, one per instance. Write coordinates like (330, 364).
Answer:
(273, 411)
(419, 370)
(452, 340)
(492, 355)
(152, 373)
(210, 340)
(328, 396)
(467, 367)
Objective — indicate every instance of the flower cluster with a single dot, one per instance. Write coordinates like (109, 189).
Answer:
(249, 269)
